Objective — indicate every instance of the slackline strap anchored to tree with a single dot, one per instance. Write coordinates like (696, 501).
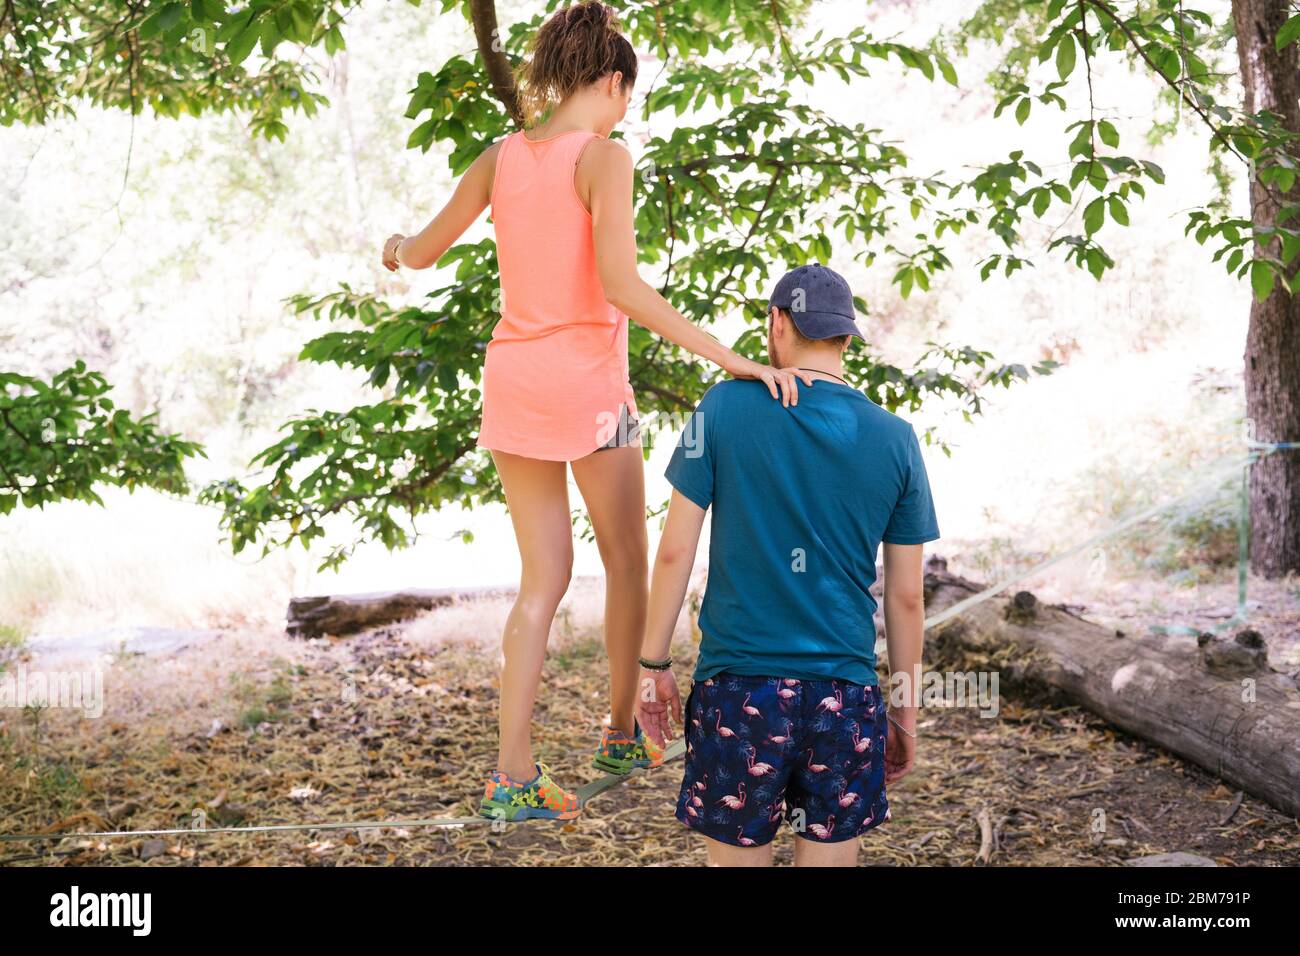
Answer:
(1258, 450)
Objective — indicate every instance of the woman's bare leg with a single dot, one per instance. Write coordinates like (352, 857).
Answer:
(537, 495)
(612, 482)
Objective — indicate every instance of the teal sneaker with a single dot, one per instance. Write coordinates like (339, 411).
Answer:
(619, 753)
(538, 799)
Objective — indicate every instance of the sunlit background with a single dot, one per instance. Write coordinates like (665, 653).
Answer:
(161, 252)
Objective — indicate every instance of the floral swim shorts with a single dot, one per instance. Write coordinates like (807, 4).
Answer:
(759, 749)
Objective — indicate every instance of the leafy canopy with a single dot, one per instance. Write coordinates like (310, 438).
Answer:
(750, 180)
(60, 439)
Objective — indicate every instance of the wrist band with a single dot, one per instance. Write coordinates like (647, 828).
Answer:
(900, 726)
(662, 665)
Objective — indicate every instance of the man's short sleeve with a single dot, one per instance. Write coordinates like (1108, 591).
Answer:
(913, 520)
(690, 470)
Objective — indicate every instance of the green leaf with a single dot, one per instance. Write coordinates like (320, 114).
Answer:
(1081, 145)
(422, 135)
(170, 16)
(242, 45)
(1065, 54)
(1289, 32)
(1109, 134)
(334, 40)
(1022, 110)
(1261, 279)
(1118, 211)
(152, 24)
(1096, 262)
(905, 281)
(420, 102)
(271, 36)
(232, 27)
(1168, 62)
(304, 21)
(1290, 247)
(207, 11)
(1278, 176)
(1094, 214)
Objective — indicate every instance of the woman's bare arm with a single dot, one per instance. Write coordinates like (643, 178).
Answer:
(472, 194)
(605, 183)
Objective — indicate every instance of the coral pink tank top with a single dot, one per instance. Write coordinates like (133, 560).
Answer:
(556, 371)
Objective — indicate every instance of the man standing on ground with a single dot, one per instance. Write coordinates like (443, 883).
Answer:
(785, 717)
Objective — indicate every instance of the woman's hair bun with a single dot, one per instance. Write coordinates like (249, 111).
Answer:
(574, 47)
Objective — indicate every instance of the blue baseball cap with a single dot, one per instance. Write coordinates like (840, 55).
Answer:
(818, 300)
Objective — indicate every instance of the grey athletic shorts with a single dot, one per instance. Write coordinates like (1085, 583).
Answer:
(627, 433)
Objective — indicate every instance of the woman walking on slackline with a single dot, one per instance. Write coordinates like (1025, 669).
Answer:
(555, 379)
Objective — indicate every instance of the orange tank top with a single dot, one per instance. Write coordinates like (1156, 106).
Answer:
(556, 371)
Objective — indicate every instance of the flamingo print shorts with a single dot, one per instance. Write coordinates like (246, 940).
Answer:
(759, 749)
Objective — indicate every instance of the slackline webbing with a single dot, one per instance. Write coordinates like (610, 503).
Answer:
(678, 747)
(584, 793)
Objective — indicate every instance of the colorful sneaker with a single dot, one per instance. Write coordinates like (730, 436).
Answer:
(619, 753)
(538, 799)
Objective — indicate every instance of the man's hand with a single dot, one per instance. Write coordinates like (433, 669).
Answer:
(900, 749)
(656, 695)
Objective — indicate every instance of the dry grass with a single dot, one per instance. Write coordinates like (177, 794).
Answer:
(256, 729)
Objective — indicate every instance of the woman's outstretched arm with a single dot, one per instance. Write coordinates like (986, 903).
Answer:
(605, 182)
(471, 197)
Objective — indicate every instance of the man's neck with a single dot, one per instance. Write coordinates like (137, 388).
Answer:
(818, 360)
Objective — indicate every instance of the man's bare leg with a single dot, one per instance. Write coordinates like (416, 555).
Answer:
(724, 854)
(816, 853)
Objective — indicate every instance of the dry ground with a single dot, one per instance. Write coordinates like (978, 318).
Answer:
(399, 724)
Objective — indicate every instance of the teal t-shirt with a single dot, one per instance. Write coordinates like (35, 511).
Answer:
(802, 497)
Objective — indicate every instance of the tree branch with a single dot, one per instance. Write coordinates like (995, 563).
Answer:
(1174, 85)
(483, 13)
(663, 393)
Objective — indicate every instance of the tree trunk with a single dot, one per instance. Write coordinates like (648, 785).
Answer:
(1215, 702)
(340, 614)
(1273, 339)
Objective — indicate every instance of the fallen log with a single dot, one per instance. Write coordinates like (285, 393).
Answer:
(348, 613)
(1213, 701)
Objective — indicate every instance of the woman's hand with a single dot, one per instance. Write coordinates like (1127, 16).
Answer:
(657, 695)
(389, 257)
(773, 378)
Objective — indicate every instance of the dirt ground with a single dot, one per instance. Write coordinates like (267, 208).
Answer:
(257, 729)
